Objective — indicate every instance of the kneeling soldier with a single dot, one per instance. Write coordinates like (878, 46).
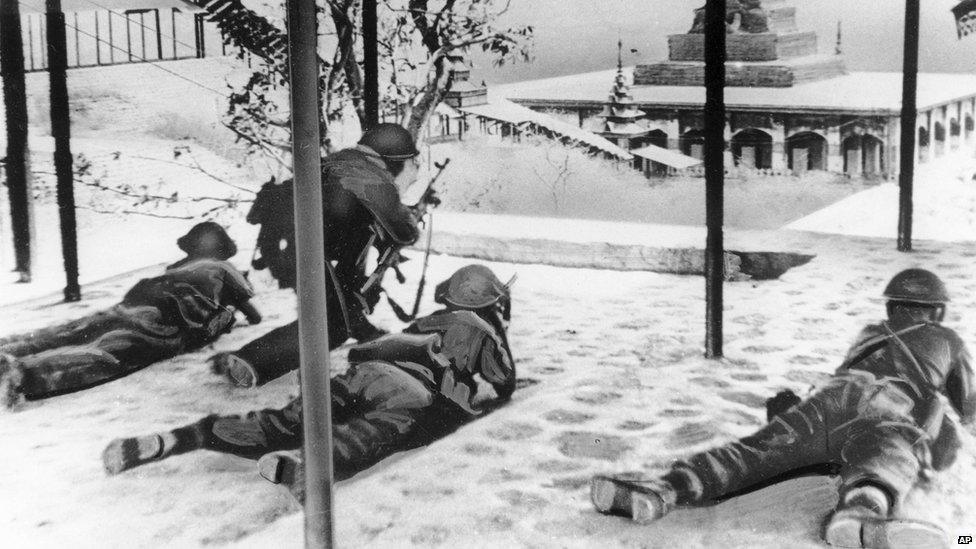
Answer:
(880, 421)
(188, 306)
(401, 391)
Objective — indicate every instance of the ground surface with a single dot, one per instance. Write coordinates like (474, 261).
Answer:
(613, 380)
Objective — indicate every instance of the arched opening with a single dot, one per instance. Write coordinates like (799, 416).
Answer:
(693, 144)
(923, 144)
(968, 127)
(806, 151)
(752, 148)
(657, 138)
(864, 154)
(940, 138)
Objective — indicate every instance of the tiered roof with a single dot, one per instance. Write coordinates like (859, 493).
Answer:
(620, 114)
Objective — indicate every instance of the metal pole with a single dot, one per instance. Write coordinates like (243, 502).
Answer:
(909, 85)
(714, 172)
(371, 91)
(15, 104)
(310, 242)
(173, 25)
(159, 36)
(128, 36)
(98, 42)
(142, 33)
(61, 131)
(77, 41)
(30, 40)
(111, 40)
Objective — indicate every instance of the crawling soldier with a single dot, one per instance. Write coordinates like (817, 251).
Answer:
(401, 391)
(879, 420)
(188, 306)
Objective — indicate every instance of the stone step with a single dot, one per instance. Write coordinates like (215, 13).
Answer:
(745, 47)
(782, 19)
(781, 74)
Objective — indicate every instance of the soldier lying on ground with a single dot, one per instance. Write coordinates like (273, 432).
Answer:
(361, 200)
(880, 421)
(401, 391)
(188, 306)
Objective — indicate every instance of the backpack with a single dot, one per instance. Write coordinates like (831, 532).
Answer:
(273, 209)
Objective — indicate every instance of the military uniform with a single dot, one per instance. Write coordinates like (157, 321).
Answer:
(359, 200)
(400, 392)
(879, 422)
(187, 307)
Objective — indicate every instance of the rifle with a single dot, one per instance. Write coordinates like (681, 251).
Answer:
(390, 256)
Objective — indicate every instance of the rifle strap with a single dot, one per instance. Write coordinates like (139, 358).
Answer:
(398, 310)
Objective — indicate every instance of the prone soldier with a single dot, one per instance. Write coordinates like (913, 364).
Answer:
(880, 422)
(362, 208)
(401, 391)
(188, 306)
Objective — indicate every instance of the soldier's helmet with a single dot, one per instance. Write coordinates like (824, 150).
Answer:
(917, 286)
(391, 141)
(474, 287)
(207, 239)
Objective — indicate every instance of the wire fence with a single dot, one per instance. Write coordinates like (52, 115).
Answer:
(110, 37)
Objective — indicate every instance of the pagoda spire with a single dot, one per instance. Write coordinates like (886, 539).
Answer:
(620, 115)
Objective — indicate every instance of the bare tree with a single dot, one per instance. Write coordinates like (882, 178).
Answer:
(555, 176)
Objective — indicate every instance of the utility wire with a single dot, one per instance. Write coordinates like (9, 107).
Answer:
(147, 61)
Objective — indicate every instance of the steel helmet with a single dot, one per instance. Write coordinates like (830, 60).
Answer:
(391, 141)
(917, 286)
(207, 238)
(472, 287)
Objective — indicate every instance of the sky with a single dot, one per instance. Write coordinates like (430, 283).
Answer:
(580, 35)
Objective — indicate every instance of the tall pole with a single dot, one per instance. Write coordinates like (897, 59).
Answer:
(310, 243)
(371, 91)
(57, 54)
(909, 85)
(714, 172)
(15, 104)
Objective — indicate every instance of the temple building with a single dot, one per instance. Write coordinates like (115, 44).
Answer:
(620, 121)
(789, 106)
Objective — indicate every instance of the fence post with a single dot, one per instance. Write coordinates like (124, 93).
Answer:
(159, 36)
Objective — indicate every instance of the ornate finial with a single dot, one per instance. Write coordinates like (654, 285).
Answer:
(620, 54)
(837, 49)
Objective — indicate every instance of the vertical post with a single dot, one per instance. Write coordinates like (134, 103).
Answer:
(172, 18)
(714, 172)
(98, 42)
(159, 36)
(111, 40)
(371, 91)
(128, 36)
(61, 132)
(77, 41)
(310, 242)
(909, 85)
(15, 105)
(142, 33)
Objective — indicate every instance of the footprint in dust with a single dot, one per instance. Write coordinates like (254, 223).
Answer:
(569, 484)
(746, 398)
(511, 430)
(676, 412)
(806, 360)
(549, 370)
(567, 417)
(703, 381)
(748, 377)
(691, 434)
(478, 449)
(763, 349)
(585, 444)
(558, 466)
(807, 377)
(518, 498)
(633, 425)
(596, 397)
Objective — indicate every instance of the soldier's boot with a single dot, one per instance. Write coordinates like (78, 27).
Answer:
(11, 377)
(285, 468)
(237, 370)
(641, 500)
(862, 521)
(123, 454)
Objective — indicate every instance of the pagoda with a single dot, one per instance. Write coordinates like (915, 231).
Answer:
(621, 119)
(764, 48)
